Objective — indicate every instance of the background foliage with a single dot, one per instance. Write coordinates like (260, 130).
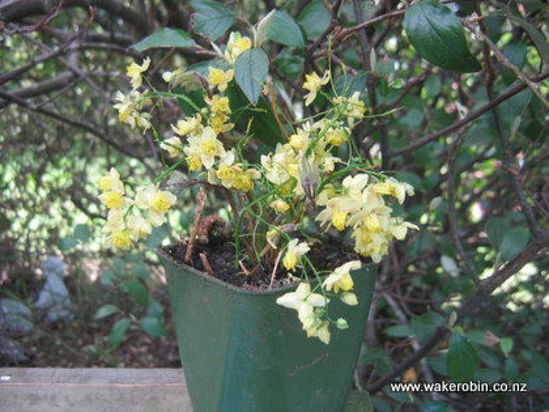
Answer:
(462, 299)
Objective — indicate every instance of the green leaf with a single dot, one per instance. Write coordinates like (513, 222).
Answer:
(118, 332)
(107, 276)
(399, 396)
(157, 236)
(250, 71)
(165, 38)
(495, 228)
(136, 290)
(155, 309)
(513, 107)
(488, 376)
(434, 406)
(81, 232)
(104, 311)
(516, 53)
(437, 34)
(212, 19)
(289, 64)
(399, 331)
(258, 121)
(67, 243)
(153, 326)
(378, 358)
(381, 405)
(511, 369)
(279, 27)
(141, 271)
(514, 242)
(358, 401)
(423, 326)
(314, 18)
(506, 345)
(537, 37)
(192, 99)
(462, 360)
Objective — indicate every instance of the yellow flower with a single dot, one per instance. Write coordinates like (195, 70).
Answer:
(314, 83)
(302, 300)
(134, 72)
(162, 201)
(220, 78)
(293, 252)
(120, 239)
(128, 107)
(319, 329)
(206, 147)
(173, 146)
(372, 222)
(236, 46)
(300, 140)
(218, 105)
(156, 202)
(349, 298)
(138, 226)
(279, 205)
(193, 163)
(219, 123)
(339, 207)
(171, 77)
(337, 136)
(374, 245)
(243, 182)
(113, 199)
(341, 278)
(399, 228)
(354, 108)
(338, 220)
(111, 182)
(226, 174)
(191, 126)
(394, 188)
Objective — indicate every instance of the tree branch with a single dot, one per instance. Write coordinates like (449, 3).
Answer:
(469, 307)
(422, 141)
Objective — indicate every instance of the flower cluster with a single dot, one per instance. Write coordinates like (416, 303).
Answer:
(316, 172)
(130, 105)
(359, 205)
(132, 219)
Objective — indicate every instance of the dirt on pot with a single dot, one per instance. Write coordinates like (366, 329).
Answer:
(221, 258)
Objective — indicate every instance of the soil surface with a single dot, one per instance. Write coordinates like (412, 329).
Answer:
(325, 257)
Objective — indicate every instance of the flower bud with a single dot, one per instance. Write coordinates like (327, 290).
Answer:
(342, 323)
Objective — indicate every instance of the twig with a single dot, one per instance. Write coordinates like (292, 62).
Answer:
(452, 214)
(526, 208)
(275, 268)
(469, 307)
(415, 343)
(206, 264)
(199, 209)
(244, 268)
(363, 25)
(89, 128)
(505, 61)
(472, 116)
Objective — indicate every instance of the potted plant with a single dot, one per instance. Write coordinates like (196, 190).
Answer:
(309, 219)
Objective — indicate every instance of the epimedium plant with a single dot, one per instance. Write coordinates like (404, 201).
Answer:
(314, 169)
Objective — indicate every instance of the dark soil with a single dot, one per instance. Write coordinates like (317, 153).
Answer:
(325, 257)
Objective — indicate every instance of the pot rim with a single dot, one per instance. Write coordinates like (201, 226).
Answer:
(275, 290)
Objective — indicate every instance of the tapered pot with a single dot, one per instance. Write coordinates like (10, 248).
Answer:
(241, 351)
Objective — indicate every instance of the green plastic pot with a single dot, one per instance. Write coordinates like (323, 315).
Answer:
(241, 351)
